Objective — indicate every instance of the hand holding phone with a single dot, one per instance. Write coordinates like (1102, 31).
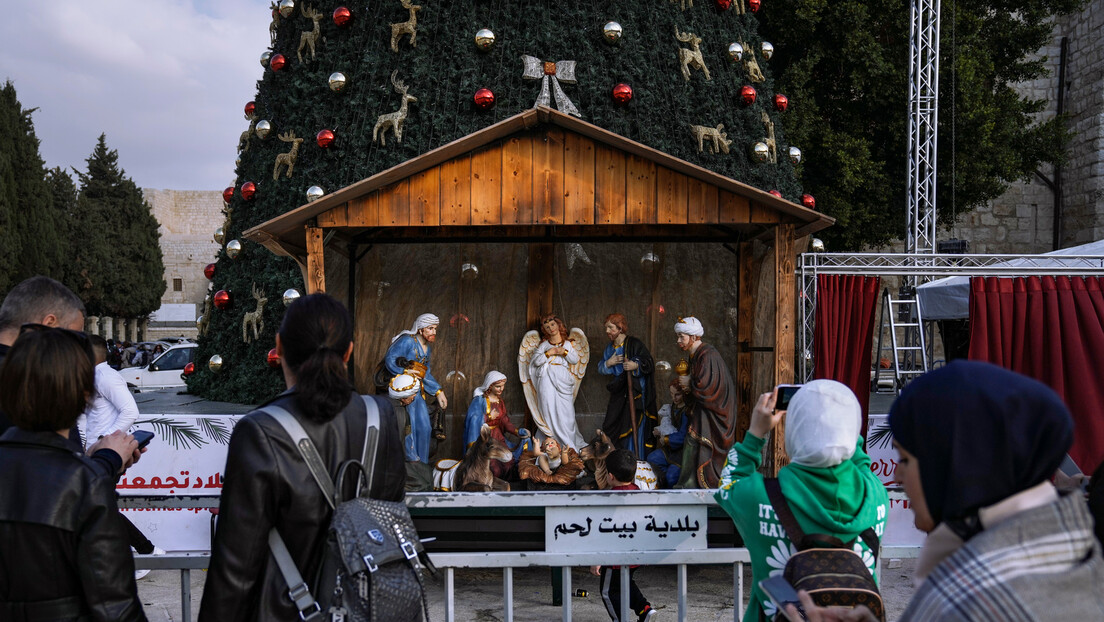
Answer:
(143, 437)
(785, 394)
(781, 593)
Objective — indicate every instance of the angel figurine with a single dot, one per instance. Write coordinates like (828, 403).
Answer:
(551, 369)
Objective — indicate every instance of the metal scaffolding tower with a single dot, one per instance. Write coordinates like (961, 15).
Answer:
(923, 128)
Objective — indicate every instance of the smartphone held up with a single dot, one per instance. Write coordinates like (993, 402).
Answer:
(785, 394)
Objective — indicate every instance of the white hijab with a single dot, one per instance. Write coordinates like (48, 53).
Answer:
(822, 424)
(491, 378)
(424, 320)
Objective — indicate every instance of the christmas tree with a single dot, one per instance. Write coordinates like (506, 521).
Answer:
(337, 75)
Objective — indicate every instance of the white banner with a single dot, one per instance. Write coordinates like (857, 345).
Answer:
(609, 528)
(900, 530)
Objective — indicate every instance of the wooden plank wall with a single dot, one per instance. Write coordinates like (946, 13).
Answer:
(548, 176)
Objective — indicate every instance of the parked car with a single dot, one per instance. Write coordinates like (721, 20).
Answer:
(164, 371)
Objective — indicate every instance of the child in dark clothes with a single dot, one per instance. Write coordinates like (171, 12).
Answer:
(621, 467)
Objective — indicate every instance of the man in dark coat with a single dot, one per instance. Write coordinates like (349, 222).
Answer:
(712, 398)
(627, 356)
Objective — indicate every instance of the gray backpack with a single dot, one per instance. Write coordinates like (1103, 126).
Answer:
(372, 567)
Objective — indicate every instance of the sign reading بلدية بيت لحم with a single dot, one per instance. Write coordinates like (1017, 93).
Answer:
(625, 528)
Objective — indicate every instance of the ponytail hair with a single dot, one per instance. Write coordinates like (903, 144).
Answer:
(315, 334)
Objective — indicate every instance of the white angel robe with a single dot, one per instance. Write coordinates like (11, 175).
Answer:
(555, 388)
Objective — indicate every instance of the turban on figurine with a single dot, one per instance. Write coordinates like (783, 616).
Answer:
(424, 320)
(403, 385)
(492, 377)
(689, 326)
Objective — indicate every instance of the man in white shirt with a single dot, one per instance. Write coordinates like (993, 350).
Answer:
(112, 407)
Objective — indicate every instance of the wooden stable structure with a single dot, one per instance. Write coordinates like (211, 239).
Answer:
(543, 177)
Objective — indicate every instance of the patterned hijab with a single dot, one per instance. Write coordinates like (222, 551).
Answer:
(981, 434)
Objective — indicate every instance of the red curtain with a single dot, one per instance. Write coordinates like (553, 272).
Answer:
(844, 330)
(1052, 329)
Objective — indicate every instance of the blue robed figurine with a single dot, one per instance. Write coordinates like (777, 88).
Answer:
(409, 353)
(625, 360)
(487, 408)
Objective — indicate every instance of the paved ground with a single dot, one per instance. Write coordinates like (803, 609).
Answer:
(479, 594)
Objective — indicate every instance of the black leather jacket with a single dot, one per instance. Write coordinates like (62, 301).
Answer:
(61, 535)
(267, 484)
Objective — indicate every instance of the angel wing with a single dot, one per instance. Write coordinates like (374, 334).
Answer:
(528, 346)
(582, 348)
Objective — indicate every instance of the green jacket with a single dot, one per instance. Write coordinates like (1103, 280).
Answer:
(841, 501)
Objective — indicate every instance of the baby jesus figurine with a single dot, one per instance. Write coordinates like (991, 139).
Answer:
(550, 467)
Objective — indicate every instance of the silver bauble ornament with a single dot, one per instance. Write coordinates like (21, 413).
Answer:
(816, 245)
(264, 58)
(220, 235)
(237, 162)
(199, 322)
(263, 128)
(287, 7)
(484, 39)
(735, 52)
(233, 249)
(649, 261)
(767, 49)
(314, 193)
(337, 82)
(760, 152)
(290, 296)
(214, 363)
(795, 155)
(662, 366)
(612, 31)
(469, 271)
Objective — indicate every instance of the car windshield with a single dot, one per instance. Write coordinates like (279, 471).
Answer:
(174, 359)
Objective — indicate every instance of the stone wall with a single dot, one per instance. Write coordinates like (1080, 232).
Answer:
(188, 220)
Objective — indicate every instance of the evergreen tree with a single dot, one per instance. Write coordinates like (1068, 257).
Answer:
(63, 195)
(443, 71)
(845, 67)
(118, 267)
(29, 231)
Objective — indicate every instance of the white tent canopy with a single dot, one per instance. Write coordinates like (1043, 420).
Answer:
(949, 298)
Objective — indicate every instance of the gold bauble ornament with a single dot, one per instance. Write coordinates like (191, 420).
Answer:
(760, 152)
(484, 39)
(263, 128)
(314, 193)
(220, 235)
(264, 58)
(291, 295)
(735, 52)
(612, 31)
(233, 249)
(215, 363)
(337, 82)
(287, 7)
(795, 155)
(767, 49)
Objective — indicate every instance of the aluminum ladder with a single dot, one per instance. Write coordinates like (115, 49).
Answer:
(907, 351)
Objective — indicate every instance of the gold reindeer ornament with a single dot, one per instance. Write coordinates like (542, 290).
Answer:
(717, 138)
(409, 27)
(393, 120)
(309, 39)
(254, 319)
(287, 159)
(690, 58)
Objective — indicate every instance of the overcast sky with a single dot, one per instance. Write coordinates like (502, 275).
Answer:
(166, 80)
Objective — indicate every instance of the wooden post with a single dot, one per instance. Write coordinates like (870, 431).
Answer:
(749, 268)
(784, 299)
(539, 295)
(315, 274)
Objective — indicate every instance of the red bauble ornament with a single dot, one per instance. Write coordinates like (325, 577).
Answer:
(484, 99)
(723, 5)
(228, 194)
(277, 62)
(209, 271)
(189, 369)
(273, 359)
(776, 193)
(324, 138)
(808, 201)
(747, 93)
(622, 93)
(222, 299)
(250, 108)
(342, 16)
(249, 190)
(754, 5)
(781, 102)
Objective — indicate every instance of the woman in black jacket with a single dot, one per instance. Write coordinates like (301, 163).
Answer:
(64, 552)
(266, 483)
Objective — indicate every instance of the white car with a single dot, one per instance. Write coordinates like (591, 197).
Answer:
(164, 371)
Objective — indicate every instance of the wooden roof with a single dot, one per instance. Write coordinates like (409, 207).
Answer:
(539, 175)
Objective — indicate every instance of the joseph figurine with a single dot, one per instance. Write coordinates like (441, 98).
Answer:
(626, 359)
(712, 402)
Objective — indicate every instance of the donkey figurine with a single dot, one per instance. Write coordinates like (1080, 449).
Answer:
(473, 473)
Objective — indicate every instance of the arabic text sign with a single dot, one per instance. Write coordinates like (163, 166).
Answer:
(606, 528)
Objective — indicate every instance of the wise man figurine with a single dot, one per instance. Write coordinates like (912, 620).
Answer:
(409, 353)
(712, 402)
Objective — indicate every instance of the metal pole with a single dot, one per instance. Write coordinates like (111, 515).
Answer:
(450, 594)
(566, 593)
(508, 592)
(186, 594)
(625, 577)
(682, 592)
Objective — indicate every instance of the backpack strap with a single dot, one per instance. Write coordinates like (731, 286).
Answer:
(307, 449)
(803, 540)
(371, 440)
(298, 590)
